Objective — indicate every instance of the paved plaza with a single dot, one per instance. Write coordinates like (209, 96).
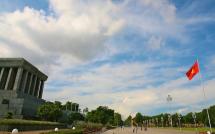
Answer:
(129, 130)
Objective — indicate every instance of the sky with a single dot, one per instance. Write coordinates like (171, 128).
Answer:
(124, 54)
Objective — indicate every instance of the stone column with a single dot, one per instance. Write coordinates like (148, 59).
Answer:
(18, 79)
(25, 81)
(1, 79)
(34, 86)
(33, 80)
(8, 79)
(29, 87)
(41, 89)
(38, 89)
(77, 106)
(1, 74)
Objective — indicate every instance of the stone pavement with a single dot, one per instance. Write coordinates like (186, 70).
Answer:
(129, 130)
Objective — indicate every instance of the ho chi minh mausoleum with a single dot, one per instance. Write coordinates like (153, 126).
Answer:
(21, 88)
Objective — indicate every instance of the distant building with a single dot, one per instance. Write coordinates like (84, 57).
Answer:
(71, 108)
(68, 109)
(21, 88)
(75, 107)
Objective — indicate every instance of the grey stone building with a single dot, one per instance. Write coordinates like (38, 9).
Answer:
(21, 88)
(68, 109)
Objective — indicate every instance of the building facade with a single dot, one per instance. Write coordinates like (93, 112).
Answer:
(21, 88)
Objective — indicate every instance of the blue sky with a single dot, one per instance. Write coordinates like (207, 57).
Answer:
(128, 55)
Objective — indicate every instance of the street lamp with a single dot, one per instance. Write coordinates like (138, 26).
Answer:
(170, 119)
(157, 122)
(179, 121)
(194, 118)
(153, 122)
(169, 99)
(149, 122)
(162, 121)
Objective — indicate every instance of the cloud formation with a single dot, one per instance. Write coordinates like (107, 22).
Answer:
(125, 54)
(78, 34)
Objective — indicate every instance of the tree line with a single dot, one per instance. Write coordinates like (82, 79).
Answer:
(56, 111)
(105, 116)
(191, 119)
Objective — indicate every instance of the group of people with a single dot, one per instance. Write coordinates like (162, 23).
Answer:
(135, 126)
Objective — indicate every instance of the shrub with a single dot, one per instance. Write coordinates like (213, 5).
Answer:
(9, 115)
(26, 122)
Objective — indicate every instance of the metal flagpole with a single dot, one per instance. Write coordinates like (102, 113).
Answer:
(203, 88)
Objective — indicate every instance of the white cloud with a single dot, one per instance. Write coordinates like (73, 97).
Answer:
(155, 43)
(157, 18)
(33, 34)
(142, 100)
(75, 33)
(183, 110)
(78, 31)
(5, 51)
(162, 7)
(114, 86)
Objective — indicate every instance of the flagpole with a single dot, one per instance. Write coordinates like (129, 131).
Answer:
(203, 88)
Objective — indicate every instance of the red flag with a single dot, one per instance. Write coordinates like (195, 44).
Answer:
(193, 70)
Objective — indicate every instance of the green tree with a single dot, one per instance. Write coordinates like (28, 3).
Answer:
(127, 122)
(9, 115)
(205, 117)
(49, 111)
(139, 118)
(75, 117)
(59, 104)
(105, 115)
(188, 118)
(165, 120)
(175, 119)
(212, 115)
(117, 119)
(85, 110)
(91, 116)
(68, 106)
(102, 115)
(199, 117)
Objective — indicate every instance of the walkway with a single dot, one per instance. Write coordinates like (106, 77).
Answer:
(129, 130)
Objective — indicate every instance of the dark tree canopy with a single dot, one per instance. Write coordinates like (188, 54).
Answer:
(117, 119)
(49, 111)
(139, 118)
(102, 115)
(127, 122)
(75, 117)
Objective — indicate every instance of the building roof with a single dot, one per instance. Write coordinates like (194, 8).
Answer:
(21, 62)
